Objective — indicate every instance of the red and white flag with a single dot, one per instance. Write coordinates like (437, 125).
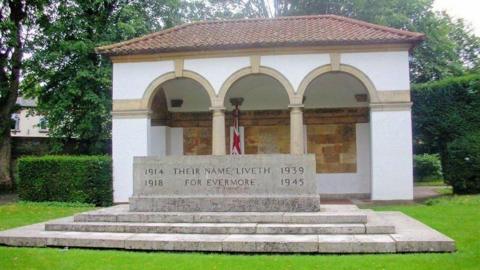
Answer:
(236, 149)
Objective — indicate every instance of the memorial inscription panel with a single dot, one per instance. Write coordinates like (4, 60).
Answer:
(225, 183)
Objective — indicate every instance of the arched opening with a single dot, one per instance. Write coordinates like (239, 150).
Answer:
(180, 119)
(336, 116)
(335, 90)
(264, 115)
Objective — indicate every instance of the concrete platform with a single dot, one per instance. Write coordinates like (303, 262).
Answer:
(220, 228)
(345, 214)
(383, 232)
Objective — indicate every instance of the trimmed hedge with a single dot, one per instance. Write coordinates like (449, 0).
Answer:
(462, 168)
(444, 111)
(83, 179)
(427, 167)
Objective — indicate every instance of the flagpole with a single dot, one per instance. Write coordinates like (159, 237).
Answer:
(236, 140)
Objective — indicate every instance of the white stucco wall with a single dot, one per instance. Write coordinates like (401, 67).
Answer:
(130, 137)
(130, 80)
(350, 183)
(175, 141)
(216, 70)
(158, 141)
(386, 70)
(295, 67)
(391, 151)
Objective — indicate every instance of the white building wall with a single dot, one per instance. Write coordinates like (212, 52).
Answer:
(175, 142)
(29, 125)
(391, 151)
(130, 137)
(216, 70)
(130, 80)
(295, 67)
(158, 141)
(386, 70)
(333, 184)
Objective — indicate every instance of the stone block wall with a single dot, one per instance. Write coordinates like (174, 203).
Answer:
(331, 134)
(267, 139)
(334, 146)
(197, 141)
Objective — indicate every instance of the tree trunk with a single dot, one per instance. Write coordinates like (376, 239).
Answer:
(11, 57)
(6, 182)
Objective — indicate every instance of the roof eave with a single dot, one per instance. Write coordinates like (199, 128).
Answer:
(413, 42)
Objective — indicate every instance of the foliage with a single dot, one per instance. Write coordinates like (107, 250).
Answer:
(427, 167)
(456, 216)
(450, 47)
(462, 169)
(84, 179)
(16, 20)
(71, 82)
(443, 111)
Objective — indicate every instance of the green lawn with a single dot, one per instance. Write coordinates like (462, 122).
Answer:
(432, 183)
(458, 217)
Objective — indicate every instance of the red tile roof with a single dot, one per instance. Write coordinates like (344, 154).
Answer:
(301, 31)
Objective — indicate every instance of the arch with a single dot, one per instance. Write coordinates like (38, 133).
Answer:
(248, 71)
(149, 93)
(372, 92)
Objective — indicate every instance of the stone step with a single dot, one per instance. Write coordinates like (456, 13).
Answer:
(219, 228)
(258, 243)
(354, 217)
(213, 242)
(410, 236)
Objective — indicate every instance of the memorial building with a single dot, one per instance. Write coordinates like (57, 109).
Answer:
(326, 85)
(226, 134)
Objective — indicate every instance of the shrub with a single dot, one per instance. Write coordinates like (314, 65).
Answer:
(427, 167)
(444, 111)
(83, 179)
(462, 167)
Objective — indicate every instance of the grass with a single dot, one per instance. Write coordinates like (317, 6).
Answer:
(456, 216)
(432, 183)
(24, 213)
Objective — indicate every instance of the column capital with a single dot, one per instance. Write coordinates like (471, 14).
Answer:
(296, 108)
(217, 108)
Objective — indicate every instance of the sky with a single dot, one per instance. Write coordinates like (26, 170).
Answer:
(467, 9)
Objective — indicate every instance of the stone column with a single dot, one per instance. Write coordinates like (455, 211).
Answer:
(218, 131)
(296, 130)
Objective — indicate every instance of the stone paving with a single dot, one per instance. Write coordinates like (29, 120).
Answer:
(335, 229)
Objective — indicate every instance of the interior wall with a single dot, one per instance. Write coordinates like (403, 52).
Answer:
(267, 139)
(359, 183)
(334, 146)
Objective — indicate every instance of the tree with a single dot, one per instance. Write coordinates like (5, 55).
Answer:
(451, 49)
(73, 83)
(16, 19)
(443, 111)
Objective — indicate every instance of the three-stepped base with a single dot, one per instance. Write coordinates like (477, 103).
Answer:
(335, 229)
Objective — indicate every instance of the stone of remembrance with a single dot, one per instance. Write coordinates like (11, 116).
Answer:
(244, 183)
